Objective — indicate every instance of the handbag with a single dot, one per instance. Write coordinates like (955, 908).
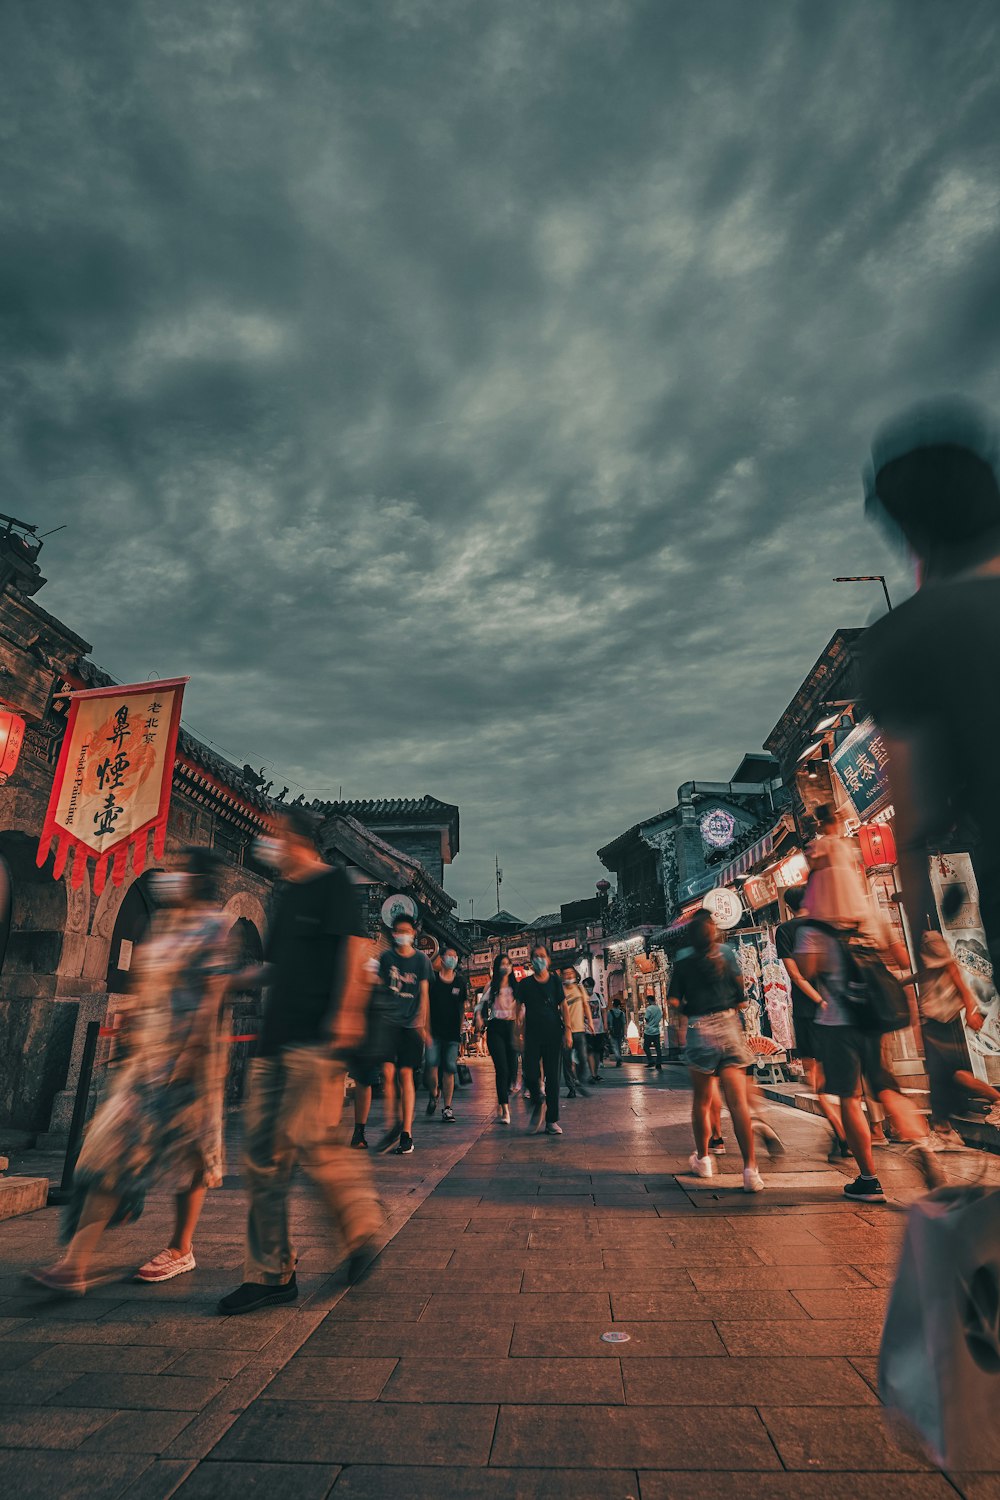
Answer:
(464, 1074)
(939, 1363)
(380, 1039)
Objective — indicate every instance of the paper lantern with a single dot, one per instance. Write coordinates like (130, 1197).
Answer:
(878, 845)
(11, 740)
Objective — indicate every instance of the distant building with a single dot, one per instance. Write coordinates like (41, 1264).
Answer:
(422, 827)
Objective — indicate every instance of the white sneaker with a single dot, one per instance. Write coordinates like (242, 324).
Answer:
(753, 1182)
(554, 1129)
(165, 1266)
(701, 1166)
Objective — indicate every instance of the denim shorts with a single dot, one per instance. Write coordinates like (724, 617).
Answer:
(441, 1054)
(715, 1042)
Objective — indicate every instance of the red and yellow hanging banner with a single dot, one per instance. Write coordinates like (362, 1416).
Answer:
(114, 779)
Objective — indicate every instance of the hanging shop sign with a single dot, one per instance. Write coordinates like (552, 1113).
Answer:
(398, 906)
(718, 828)
(792, 871)
(482, 960)
(563, 945)
(759, 891)
(114, 778)
(862, 766)
(516, 953)
(725, 906)
(878, 845)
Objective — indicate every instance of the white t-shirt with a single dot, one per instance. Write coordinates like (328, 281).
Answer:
(597, 1009)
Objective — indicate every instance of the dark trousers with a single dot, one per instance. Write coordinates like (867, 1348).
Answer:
(500, 1041)
(543, 1051)
(651, 1044)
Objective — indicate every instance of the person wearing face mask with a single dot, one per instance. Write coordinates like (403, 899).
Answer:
(547, 1030)
(314, 1021)
(405, 975)
(449, 994)
(162, 1119)
(497, 1012)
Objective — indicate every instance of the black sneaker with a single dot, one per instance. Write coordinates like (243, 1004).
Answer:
(358, 1139)
(432, 1104)
(717, 1146)
(865, 1190)
(448, 1115)
(405, 1147)
(597, 1079)
(571, 1093)
(389, 1139)
(251, 1295)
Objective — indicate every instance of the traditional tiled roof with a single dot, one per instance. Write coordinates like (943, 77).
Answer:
(390, 807)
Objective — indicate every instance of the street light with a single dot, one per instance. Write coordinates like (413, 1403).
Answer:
(869, 578)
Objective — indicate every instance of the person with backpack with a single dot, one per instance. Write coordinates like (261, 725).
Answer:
(617, 1025)
(497, 1015)
(806, 1004)
(849, 979)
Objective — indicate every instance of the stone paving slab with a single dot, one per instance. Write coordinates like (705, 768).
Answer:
(471, 1359)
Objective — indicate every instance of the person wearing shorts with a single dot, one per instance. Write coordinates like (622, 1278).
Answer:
(806, 1002)
(706, 988)
(405, 974)
(449, 995)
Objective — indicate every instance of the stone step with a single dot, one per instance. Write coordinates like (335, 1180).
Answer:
(22, 1195)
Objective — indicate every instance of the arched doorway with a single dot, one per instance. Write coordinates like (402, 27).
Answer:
(130, 929)
(246, 1007)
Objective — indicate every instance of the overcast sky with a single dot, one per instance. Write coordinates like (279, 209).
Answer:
(471, 397)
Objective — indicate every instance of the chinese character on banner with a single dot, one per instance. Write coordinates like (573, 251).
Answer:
(113, 780)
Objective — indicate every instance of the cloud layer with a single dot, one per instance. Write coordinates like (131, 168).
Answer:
(471, 399)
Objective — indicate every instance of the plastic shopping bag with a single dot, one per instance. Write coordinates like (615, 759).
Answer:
(939, 1364)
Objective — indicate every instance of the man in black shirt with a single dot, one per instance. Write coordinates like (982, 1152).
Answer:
(448, 999)
(547, 1031)
(314, 1016)
(929, 666)
(806, 1001)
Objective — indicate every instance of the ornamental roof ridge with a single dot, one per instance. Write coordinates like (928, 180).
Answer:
(397, 856)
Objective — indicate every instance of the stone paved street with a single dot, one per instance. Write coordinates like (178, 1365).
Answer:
(471, 1362)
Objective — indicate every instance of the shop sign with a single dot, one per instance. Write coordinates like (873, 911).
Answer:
(791, 871)
(718, 828)
(398, 906)
(725, 906)
(515, 953)
(563, 945)
(862, 765)
(429, 944)
(760, 890)
(481, 960)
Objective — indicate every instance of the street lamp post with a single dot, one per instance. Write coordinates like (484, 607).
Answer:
(869, 578)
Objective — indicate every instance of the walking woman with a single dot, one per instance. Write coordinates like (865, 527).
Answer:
(498, 1017)
(546, 1032)
(162, 1119)
(706, 988)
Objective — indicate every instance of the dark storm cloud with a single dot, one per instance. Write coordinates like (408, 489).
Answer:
(472, 398)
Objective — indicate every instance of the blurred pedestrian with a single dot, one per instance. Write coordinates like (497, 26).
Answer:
(497, 1014)
(449, 993)
(617, 1025)
(934, 483)
(947, 1006)
(806, 1004)
(542, 1006)
(597, 1037)
(314, 1020)
(577, 1058)
(706, 986)
(162, 1118)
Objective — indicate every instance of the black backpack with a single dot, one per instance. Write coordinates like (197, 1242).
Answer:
(875, 995)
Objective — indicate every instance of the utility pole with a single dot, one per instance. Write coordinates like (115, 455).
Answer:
(496, 860)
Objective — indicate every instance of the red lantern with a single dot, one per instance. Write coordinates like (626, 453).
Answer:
(878, 845)
(11, 740)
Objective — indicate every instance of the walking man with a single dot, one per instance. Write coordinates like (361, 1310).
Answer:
(652, 1021)
(547, 1031)
(405, 975)
(314, 1017)
(449, 994)
(597, 1037)
(617, 1023)
(807, 1002)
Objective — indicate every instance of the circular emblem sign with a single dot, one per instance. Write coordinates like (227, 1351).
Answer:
(398, 906)
(428, 943)
(725, 906)
(718, 828)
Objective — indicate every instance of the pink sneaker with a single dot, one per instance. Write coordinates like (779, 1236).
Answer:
(165, 1266)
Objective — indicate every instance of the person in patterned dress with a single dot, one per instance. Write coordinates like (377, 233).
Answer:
(162, 1118)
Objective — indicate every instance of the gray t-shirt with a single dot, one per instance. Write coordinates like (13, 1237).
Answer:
(831, 979)
(401, 980)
